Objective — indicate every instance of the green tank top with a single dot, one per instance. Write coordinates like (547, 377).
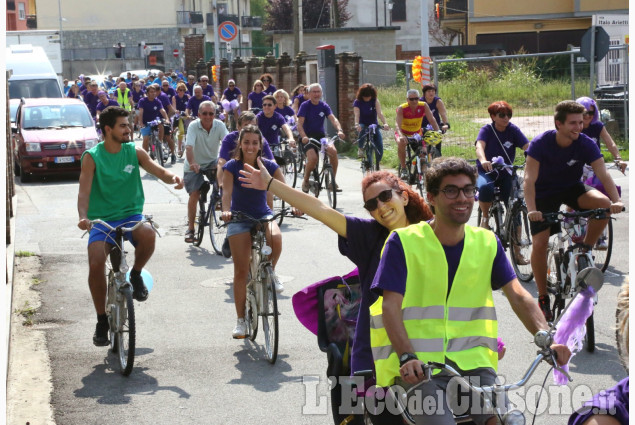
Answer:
(116, 192)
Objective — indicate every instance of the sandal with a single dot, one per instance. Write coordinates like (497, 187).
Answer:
(189, 236)
(520, 259)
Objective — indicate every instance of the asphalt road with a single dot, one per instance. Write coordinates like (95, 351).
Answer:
(188, 369)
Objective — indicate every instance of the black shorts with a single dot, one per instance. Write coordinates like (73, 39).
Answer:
(316, 136)
(552, 203)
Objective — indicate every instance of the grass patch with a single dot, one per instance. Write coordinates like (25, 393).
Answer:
(25, 254)
(26, 311)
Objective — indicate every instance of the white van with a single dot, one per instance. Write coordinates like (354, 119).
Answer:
(32, 73)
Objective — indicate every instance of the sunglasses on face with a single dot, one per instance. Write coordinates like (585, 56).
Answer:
(267, 104)
(204, 81)
(503, 115)
(266, 80)
(589, 113)
(207, 113)
(412, 99)
(452, 192)
(384, 196)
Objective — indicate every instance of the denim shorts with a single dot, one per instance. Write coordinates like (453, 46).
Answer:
(238, 227)
(101, 233)
(146, 131)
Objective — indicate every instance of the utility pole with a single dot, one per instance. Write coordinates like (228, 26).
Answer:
(301, 25)
(216, 41)
(296, 23)
(425, 40)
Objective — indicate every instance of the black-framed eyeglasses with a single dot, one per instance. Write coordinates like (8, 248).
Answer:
(207, 113)
(589, 113)
(267, 104)
(384, 196)
(503, 115)
(412, 99)
(452, 192)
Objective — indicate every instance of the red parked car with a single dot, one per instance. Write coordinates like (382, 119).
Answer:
(50, 136)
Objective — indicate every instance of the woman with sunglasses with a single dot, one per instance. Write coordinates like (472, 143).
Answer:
(594, 128)
(254, 99)
(391, 203)
(253, 202)
(267, 80)
(179, 103)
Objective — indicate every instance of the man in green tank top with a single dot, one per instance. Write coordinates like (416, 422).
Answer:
(110, 189)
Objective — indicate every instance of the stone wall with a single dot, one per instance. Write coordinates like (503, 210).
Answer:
(194, 49)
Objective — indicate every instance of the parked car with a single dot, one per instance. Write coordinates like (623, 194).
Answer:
(50, 136)
(32, 73)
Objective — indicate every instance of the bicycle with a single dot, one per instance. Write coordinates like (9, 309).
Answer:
(210, 216)
(416, 162)
(156, 145)
(119, 304)
(325, 178)
(488, 394)
(176, 119)
(285, 158)
(262, 299)
(510, 222)
(370, 160)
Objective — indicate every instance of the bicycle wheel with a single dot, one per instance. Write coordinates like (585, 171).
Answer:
(217, 228)
(125, 330)
(269, 314)
(554, 261)
(111, 311)
(289, 170)
(158, 152)
(602, 257)
(329, 185)
(199, 227)
(519, 234)
(251, 313)
(278, 205)
(589, 338)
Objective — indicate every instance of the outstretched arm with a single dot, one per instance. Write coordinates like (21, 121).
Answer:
(156, 170)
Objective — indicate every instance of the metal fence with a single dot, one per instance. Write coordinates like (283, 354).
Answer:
(531, 83)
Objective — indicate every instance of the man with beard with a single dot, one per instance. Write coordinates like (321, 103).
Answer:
(436, 281)
(110, 189)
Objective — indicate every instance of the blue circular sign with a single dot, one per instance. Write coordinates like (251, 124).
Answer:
(227, 31)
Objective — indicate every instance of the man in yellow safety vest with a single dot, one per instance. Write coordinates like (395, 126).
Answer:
(124, 99)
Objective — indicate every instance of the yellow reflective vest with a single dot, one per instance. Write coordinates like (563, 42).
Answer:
(123, 99)
(461, 325)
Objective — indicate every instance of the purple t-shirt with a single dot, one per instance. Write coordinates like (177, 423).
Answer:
(101, 106)
(249, 201)
(286, 112)
(270, 127)
(170, 92)
(91, 101)
(165, 101)
(593, 131)
(510, 139)
(194, 103)
(367, 111)
(256, 99)
(433, 109)
(229, 144)
(71, 94)
(314, 116)
(137, 95)
(362, 245)
(270, 90)
(232, 94)
(151, 109)
(560, 168)
(181, 101)
(392, 271)
(301, 99)
(612, 402)
(208, 91)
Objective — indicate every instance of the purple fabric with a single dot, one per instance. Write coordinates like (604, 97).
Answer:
(232, 94)
(511, 139)
(593, 131)
(194, 103)
(71, 94)
(612, 402)
(270, 127)
(208, 91)
(101, 106)
(433, 109)
(165, 101)
(256, 99)
(181, 101)
(314, 116)
(137, 95)
(571, 329)
(560, 168)
(367, 111)
(249, 201)
(301, 99)
(286, 112)
(170, 92)
(151, 109)
(392, 272)
(229, 144)
(91, 101)
(270, 90)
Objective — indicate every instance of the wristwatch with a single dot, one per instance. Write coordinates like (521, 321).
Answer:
(406, 357)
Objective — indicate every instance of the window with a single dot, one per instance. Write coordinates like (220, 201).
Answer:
(399, 10)
(21, 11)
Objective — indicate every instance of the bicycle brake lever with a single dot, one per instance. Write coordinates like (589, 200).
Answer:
(564, 372)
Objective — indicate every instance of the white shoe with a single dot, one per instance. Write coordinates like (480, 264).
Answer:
(240, 331)
(601, 245)
(279, 287)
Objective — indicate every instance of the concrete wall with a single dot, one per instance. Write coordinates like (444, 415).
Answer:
(494, 9)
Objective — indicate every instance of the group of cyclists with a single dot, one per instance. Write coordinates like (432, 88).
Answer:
(398, 324)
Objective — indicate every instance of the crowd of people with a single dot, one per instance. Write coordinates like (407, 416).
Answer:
(401, 321)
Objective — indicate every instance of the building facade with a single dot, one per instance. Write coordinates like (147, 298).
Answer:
(17, 13)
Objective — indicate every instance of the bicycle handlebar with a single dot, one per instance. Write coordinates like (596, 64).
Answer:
(146, 219)
(323, 140)
(241, 216)
(559, 216)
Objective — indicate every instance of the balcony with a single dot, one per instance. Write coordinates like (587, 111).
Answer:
(221, 18)
(189, 19)
(453, 14)
(253, 22)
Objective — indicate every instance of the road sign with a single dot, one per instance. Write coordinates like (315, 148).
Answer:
(602, 42)
(228, 47)
(146, 50)
(175, 53)
(227, 31)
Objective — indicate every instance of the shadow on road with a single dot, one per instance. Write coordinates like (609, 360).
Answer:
(253, 365)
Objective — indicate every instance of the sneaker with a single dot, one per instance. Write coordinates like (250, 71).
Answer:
(173, 161)
(545, 307)
(360, 153)
(601, 245)
(305, 187)
(403, 175)
(100, 337)
(337, 188)
(240, 331)
(140, 292)
(278, 286)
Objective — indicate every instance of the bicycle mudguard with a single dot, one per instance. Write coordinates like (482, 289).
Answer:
(148, 281)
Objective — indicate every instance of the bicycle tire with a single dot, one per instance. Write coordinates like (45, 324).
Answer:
(199, 228)
(329, 185)
(270, 314)
(126, 332)
(158, 152)
(290, 170)
(522, 239)
(217, 228)
(420, 183)
(602, 258)
(278, 205)
(589, 338)
(251, 314)
(554, 260)
(111, 311)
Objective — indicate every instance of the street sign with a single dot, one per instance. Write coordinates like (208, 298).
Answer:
(227, 31)
(602, 42)
(175, 53)
(146, 50)
(228, 47)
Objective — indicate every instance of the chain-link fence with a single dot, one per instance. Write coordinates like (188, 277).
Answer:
(531, 83)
